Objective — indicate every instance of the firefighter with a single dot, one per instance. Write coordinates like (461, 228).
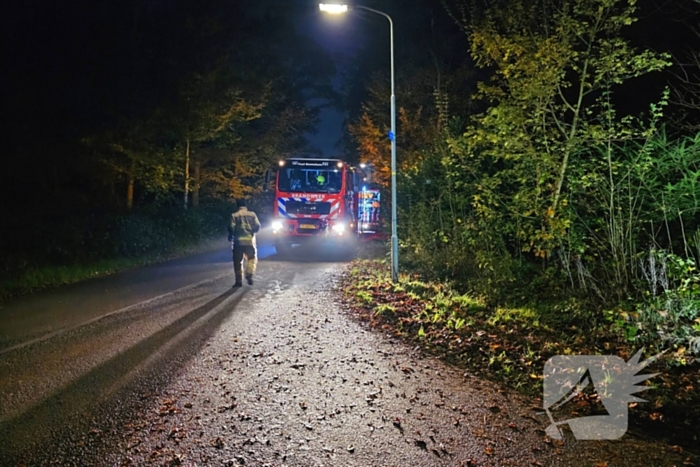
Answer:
(241, 233)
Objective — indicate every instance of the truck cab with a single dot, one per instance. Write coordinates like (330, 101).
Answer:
(314, 199)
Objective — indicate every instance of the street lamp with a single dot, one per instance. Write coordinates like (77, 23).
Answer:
(340, 9)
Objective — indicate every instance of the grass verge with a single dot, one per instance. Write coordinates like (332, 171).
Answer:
(511, 344)
(42, 278)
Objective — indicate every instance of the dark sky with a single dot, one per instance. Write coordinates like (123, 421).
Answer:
(340, 36)
(335, 42)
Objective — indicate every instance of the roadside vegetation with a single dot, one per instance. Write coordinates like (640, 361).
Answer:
(554, 214)
(510, 342)
(139, 155)
(72, 250)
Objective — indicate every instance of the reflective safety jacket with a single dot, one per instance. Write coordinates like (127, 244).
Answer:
(244, 225)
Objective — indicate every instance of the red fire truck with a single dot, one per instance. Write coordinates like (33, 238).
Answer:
(314, 198)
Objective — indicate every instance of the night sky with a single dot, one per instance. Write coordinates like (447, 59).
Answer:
(80, 72)
(342, 37)
(335, 38)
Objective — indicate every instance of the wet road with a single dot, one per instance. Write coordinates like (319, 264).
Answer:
(68, 355)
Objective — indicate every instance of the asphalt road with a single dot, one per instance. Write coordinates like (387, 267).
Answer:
(169, 365)
(66, 354)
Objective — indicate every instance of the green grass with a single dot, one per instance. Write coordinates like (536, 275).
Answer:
(76, 246)
(47, 277)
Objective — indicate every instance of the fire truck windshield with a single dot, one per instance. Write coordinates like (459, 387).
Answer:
(311, 180)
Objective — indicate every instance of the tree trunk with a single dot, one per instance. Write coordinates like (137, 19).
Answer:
(187, 172)
(197, 179)
(130, 192)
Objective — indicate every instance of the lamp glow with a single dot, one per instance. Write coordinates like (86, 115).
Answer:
(333, 8)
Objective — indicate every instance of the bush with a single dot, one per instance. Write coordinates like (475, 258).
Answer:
(668, 316)
(671, 321)
(44, 250)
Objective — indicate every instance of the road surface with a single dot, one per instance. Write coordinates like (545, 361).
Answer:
(169, 365)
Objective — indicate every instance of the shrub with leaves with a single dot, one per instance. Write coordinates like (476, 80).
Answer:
(669, 318)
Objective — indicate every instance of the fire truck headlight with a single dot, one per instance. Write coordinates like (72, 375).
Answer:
(338, 228)
(277, 225)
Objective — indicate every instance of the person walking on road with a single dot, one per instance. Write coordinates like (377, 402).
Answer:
(241, 233)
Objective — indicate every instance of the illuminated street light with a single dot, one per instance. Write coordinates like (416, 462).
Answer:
(339, 9)
(333, 9)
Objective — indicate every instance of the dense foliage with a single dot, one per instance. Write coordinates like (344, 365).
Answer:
(554, 183)
(115, 115)
(94, 244)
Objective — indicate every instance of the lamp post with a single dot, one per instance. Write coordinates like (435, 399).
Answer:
(339, 9)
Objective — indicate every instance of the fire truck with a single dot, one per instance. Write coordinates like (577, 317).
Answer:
(314, 199)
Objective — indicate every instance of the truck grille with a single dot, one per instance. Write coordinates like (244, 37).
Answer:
(306, 207)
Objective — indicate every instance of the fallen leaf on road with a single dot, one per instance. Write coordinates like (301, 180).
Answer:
(224, 408)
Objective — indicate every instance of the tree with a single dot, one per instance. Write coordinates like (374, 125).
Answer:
(209, 105)
(418, 120)
(134, 152)
(556, 65)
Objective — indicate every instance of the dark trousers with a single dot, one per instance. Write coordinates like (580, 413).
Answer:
(251, 253)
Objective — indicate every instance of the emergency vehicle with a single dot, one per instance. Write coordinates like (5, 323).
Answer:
(314, 198)
(368, 212)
